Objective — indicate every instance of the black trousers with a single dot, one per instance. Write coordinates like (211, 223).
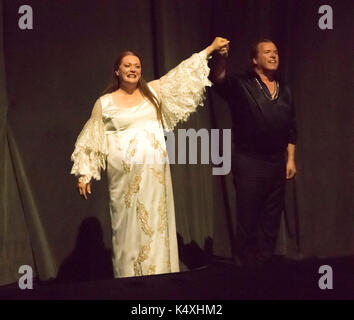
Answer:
(260, 190)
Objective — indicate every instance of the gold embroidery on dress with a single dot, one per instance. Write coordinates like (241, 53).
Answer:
(126, 167)
(156, 143)
(132, 147)
(168, 263)
(163, 221)
(162, 210)
(159, 174)
(152, 269)
(133, 188)
(143, 255)
(131, 150)
(143, 216)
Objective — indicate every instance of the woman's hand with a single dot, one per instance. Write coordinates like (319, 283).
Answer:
(219, 44)
(84, 186)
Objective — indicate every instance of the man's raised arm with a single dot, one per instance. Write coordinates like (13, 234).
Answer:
(218, 72)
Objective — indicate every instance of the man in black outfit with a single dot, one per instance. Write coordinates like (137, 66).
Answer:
(264, 134)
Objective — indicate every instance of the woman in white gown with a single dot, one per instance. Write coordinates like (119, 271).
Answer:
(125, 132)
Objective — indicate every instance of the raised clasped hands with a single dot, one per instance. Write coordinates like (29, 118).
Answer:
(220, 45)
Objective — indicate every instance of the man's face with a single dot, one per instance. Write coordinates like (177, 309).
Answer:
(267, 57)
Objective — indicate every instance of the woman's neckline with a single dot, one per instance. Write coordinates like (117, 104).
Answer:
(128, 108)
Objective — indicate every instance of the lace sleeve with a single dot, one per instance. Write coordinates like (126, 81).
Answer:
(182, 89)
(90, 151)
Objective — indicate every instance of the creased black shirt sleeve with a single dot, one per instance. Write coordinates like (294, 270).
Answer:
(260, 125)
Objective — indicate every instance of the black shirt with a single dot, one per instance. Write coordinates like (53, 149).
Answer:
(260, 125)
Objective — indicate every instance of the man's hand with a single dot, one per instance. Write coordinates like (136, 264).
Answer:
(224, 51)
(218, 71)
(218, 44)
(290, 169)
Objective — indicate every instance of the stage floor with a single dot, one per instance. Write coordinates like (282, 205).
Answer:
(220, 280)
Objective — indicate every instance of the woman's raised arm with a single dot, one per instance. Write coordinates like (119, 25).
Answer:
(182, 89)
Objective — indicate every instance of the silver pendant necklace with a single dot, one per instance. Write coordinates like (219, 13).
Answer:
(266, 93)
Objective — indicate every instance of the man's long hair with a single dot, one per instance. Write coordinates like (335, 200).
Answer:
(114, 83)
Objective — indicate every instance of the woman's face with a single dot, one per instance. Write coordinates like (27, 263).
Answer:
(129, 70)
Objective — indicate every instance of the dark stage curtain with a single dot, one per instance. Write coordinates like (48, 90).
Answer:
(22, 236)
(51, 76)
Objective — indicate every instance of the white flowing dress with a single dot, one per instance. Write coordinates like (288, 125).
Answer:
(130, 143)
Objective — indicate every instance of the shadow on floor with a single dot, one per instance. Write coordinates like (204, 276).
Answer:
(90, 260)
(194, 257)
